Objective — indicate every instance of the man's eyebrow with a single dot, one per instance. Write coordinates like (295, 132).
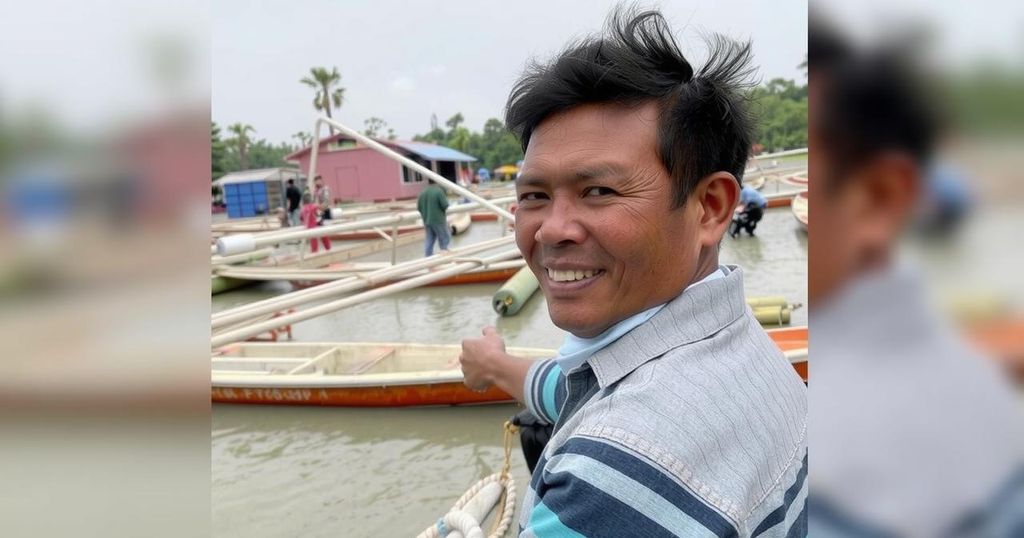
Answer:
(584, 173)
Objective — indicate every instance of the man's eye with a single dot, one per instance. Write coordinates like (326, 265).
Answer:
(598, 191)
(532, 196)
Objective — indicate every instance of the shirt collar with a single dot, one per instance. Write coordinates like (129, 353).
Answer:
(701, 310)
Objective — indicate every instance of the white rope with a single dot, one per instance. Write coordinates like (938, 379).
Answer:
(457, 520)
(457, 523)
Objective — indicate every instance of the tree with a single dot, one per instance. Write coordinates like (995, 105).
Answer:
(493, 147)
(374, 127)
(217, 152)
(241, 142)
(324, 82)
(263, 154)
(303, 138)
(454, 122)
(780, 107)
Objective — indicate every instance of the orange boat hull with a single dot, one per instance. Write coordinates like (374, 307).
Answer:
(482, 277)
(394, 396)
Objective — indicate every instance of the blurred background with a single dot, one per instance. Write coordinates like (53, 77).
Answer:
(104, 159)
(916, 301)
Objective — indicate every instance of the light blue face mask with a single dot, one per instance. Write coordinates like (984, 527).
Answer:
(575, 350)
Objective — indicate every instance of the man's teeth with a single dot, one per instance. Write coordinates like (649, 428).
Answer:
(569, 276)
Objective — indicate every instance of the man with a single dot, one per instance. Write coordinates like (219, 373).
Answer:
(753, 204)
(322, 198)
(432, 204)
(914, 433)
(674, 414)
(294, 197)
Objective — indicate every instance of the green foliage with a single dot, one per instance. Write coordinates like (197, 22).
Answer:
(240, 142)
(218, 152)
(780, 109)
(493, 147)
(329, 94)
(375, 127)
(260, 154)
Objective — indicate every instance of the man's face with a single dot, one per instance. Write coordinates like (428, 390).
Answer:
(594, 220)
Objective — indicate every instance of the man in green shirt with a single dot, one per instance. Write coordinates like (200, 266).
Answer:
(432, 204)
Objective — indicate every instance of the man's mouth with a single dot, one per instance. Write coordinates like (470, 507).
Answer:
(572, 275)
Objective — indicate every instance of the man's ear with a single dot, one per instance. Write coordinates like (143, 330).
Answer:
(717, 195)
(886, 198)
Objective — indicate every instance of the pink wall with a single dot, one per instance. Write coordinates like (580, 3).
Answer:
(361, 175)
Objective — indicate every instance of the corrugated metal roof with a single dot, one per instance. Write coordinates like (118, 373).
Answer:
(243, 176)
(433, 152)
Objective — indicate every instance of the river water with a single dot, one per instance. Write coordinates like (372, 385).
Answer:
(340, 472)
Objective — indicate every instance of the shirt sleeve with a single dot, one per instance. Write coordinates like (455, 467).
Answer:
(594, 487)
(544, 390)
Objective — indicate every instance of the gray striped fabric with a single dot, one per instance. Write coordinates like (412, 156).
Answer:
(700, 394)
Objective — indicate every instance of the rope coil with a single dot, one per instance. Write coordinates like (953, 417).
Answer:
(457, 520)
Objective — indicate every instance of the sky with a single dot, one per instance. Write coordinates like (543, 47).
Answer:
(405, 60)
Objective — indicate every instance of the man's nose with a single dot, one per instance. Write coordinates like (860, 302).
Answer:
(561, 225)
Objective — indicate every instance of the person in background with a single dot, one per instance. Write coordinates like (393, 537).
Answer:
(432, 204)
(322, 197)
(310, 217)
(294, 197)
(753, 204)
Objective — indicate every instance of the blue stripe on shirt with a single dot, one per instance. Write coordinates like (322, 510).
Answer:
(592, 511)
(548, 393)
(799, 527)
(779, 514)
(544, 391)
(588, 467)
(545, 524)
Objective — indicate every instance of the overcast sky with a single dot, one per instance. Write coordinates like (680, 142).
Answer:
(404, 60)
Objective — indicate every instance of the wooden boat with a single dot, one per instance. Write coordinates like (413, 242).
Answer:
(357, 375)
(263, 266)
(375, 375)
(800, 209)
(480, 216)
(499, 272)
(358, 235)
(797, 179)
(780, 199)
(754, 182)
(793, 342)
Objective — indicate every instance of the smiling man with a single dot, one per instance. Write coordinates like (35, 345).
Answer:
(674, 414)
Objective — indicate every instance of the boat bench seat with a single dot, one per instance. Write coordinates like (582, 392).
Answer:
(375, 357)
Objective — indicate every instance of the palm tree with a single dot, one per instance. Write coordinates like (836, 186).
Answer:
(304, 138)
(241, 141)
(323, 81)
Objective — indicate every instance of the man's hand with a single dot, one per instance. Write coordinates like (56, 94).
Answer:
(480, 358)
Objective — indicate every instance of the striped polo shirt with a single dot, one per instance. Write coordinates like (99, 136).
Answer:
(691, 424)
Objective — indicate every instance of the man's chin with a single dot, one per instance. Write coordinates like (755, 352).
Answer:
(573, 324)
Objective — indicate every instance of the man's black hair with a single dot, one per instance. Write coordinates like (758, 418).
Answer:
(872, 101)
(704, 125)
(291, 181)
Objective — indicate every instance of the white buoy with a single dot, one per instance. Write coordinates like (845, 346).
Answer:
(236, 244)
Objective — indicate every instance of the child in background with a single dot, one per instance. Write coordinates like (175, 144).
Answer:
(310, 215)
